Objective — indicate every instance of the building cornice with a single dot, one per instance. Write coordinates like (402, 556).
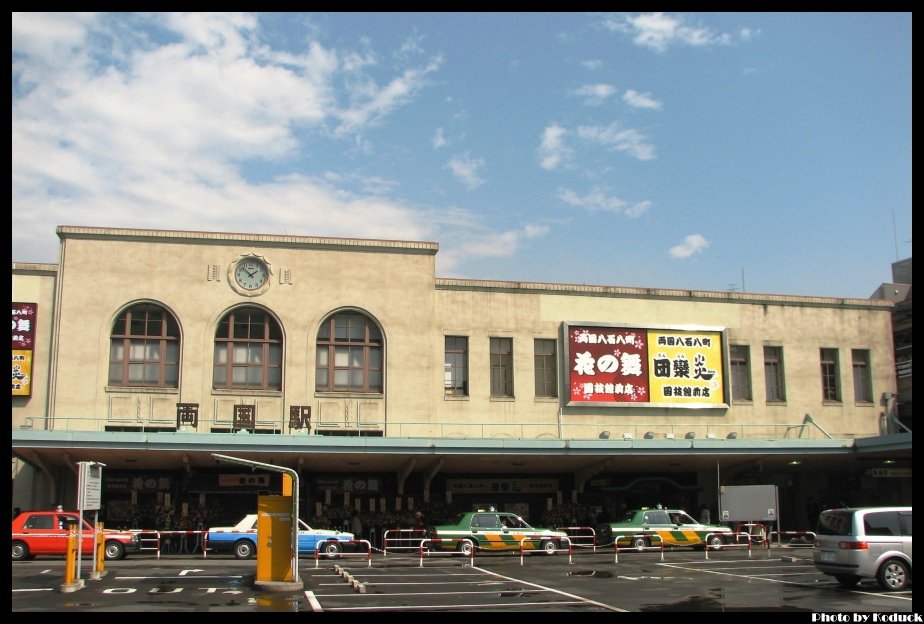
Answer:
(237, 238)
(589, 290)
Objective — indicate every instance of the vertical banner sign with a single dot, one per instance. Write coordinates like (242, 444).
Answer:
(23, 344)
(90, 486)
(650, 367)
(686, 367)
(608, 365)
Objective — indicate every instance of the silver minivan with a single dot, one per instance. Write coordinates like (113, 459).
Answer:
(866, 542)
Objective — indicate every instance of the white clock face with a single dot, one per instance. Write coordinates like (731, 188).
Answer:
(250, 274)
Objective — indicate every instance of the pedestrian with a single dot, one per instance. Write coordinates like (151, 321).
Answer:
(418, 521)
(704, 516)
(16, 512)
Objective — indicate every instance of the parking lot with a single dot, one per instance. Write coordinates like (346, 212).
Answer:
(779, 579)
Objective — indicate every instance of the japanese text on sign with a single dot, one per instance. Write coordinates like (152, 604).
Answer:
(645, 366)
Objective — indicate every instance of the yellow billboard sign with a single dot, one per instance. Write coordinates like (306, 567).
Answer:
(22, 372)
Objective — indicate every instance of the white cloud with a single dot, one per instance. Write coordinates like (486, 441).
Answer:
(595, 94)
(621, 139)
(659, 31)
(465, 170)
(473, 239)
(640, 100)
(153, 121)
(465, 235)
(598, 201)
(694, 243)
(592, 64)
(371, 103)
(552, 150)
(639, 208)
(439, 139)
(595, 201)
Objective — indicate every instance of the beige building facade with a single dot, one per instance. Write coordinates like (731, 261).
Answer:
(352, 357)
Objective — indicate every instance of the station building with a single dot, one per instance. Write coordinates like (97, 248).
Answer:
(391, 390)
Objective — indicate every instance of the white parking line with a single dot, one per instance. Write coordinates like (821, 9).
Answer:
(455, 593)
(555, 591)
(495, 606)
(32, 590)
(188, 578)
(313, 601)
(832, 586)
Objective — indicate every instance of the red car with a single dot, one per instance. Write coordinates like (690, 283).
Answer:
(45, 533)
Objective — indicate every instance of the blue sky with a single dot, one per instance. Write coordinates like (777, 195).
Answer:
(769, 152)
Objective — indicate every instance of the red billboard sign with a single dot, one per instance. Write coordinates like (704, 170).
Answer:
(657, 367)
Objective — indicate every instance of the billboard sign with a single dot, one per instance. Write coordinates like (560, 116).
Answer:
(615, 365)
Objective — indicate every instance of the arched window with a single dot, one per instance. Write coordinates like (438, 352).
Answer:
(349, 355)
(248, 351)
(144, 348)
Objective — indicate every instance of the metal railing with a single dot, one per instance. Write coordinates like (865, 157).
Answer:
(402, 540)
(427, 548)
(172, 542)
(580, 536)
(635, 545)
(319, 551)
(742, 540)
(278, 424)
(797, 539)
(541, 548)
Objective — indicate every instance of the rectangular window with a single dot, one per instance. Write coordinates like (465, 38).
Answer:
(862, 383)
(830, 388)
(546, 367)
(501, 367)
(455, 376)
(773, 374)
(739, 360)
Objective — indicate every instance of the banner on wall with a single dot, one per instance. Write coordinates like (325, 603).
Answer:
(24, 325)
(23, 342)
(22, 372)
(501, 486)
(655, 366)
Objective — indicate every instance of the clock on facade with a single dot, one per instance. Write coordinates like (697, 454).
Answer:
(251, 273)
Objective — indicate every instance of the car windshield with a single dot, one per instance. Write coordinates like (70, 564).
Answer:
(514, 522)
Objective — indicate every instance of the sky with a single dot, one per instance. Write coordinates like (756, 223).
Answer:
(758, 152)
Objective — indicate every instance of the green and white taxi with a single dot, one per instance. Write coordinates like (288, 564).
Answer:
(493, 531)
(646, 527)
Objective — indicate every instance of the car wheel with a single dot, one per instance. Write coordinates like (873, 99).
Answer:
(466, 547)
(244, 549)
(114, 550)
(716, 542)
(549, 547)
(894, 575)
(640, 543)
(847, 580)
(20, 551)
(331, 549)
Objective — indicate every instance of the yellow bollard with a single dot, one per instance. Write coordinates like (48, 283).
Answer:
(71, 582)
(99, 552)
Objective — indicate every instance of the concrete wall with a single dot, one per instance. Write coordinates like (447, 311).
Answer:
(104, 271)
